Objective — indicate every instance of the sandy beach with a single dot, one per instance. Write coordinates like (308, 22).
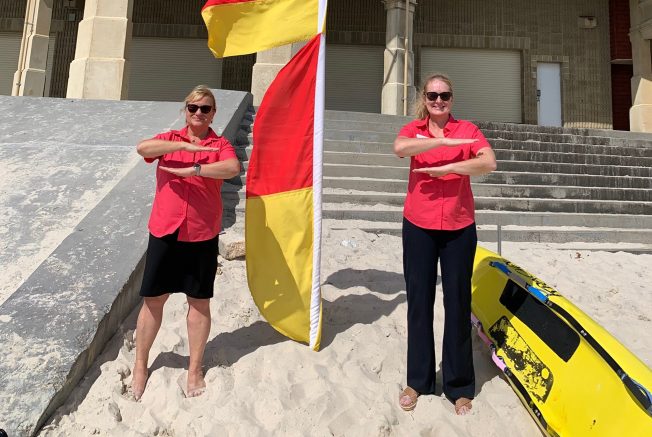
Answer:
(260, 383)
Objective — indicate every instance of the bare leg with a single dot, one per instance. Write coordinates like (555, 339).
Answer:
(149, 322)
(199, 326)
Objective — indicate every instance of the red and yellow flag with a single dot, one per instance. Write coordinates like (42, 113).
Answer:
(283, 206)
(240, 27)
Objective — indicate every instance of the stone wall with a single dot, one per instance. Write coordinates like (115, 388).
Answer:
(550, 31)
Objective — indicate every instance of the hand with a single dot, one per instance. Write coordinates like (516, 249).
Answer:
(434, 172)
(452, 142)
(181, 172)
(190, 147)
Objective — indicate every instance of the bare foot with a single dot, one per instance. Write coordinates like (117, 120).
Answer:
(138, 381)
(192, 386)
(462, 406)
(196, 384)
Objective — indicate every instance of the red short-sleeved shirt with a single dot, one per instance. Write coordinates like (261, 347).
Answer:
(194, 204)
(444, 203)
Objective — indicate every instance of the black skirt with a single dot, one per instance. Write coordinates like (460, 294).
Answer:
(175, 266)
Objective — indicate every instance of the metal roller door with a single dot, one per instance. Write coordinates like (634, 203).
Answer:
(487, 83)
(354, 77)
(9, 51)
(167, 69)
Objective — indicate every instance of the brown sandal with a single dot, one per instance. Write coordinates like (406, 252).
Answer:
(412, 395)
(463, 406)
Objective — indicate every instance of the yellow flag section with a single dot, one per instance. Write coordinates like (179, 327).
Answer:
(283, 207)
(240, 27)
(574, 378)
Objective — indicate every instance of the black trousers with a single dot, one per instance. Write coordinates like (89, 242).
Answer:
(455, 250)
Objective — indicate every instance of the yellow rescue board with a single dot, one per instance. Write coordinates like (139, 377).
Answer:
(574, 377)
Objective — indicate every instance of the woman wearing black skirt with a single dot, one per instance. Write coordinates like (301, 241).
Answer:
(184, 226)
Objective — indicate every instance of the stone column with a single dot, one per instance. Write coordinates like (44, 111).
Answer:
(640, 115)
(100, 69)
(268, 64)
(393, 87)
(29, 79)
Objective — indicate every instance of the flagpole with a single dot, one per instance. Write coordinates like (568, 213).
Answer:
(317, 176)
(405, 63)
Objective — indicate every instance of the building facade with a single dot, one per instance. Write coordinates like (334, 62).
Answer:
(574, 63)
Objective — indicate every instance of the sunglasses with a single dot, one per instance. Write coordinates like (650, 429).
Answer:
(205, 109)
(432, 96)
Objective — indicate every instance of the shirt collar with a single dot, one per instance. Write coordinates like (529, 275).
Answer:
(451, 124)
(210, 136)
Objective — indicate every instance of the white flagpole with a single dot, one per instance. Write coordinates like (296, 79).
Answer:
(317, 166)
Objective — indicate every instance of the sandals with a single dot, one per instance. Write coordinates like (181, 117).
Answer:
(463, 406)
(412, 395)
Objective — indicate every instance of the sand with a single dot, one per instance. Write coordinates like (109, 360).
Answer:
(260, 383)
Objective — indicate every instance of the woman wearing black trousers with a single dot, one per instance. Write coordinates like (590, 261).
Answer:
(439, 226)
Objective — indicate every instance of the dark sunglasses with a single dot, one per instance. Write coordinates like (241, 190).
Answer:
(432, 96)
(205, 109)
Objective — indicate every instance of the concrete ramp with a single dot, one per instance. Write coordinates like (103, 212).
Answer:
(75, 200)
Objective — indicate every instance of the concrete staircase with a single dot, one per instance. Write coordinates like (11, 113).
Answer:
(552, 185)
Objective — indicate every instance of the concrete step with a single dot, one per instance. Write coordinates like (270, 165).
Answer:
(360, 136)
(558, 179)
(520, 135)
(390, 160)
(609, 138)
(497, 190)
(519, 166)
(366, 171)
(400, 120)
(600, 133)
(563, 205)
(369, 117)
(535, 146)
(572, 158)
(529, 234)
(350, 168)
(394, 213)
(562, 192)
(526, 226)
(379, 148)
(332, 195)
(367, 159)
(387, 191)
(358, 147)
(391, 125)
(568, 168)
(378, 154)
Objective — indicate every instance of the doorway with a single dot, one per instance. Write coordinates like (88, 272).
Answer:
(549, 94)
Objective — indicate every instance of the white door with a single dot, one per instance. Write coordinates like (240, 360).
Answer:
(167, 69)
(549, 94)
(354, 77)
(486, 83)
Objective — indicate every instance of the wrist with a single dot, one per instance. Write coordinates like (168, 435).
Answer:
(197, 169)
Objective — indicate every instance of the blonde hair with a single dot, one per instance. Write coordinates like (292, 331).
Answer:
(420, 108)
(199, 92)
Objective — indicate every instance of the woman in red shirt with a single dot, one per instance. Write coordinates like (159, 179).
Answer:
(184, 226)
(439, 226)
